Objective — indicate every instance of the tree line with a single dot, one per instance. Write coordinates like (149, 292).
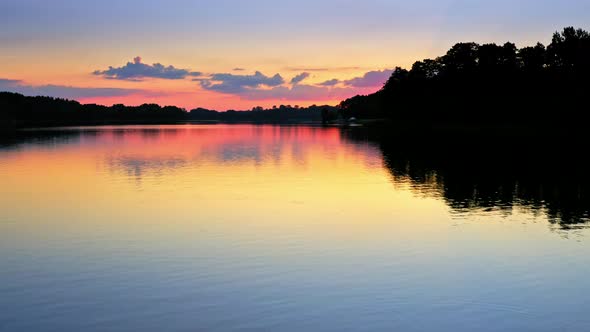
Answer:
(276, 114)
(18, 111)
(488, 84)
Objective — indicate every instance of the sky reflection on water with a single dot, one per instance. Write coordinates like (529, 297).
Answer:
(280, 228)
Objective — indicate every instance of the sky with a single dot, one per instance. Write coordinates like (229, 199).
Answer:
(237, 54)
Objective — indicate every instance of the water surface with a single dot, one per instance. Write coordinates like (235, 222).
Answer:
(243, 227)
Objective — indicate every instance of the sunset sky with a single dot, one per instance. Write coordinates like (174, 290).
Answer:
(235, 54)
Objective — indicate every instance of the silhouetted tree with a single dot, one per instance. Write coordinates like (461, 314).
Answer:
(569, 50)
(532, 59)
(461, 59)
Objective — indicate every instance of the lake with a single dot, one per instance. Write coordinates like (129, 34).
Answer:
(289, 228)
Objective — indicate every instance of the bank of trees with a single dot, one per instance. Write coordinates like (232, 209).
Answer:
(17, 111)
(276, 114)
(488, 83)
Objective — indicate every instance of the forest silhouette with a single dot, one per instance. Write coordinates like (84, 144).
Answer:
(488, 84)
(18, 111)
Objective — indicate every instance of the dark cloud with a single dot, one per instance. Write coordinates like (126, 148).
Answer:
(370, 79)
(239, 69)
(331, 82)
(137, 70)
(260, 86)
(297, 79)
(4, 82)
(238, 84)
(63, 91)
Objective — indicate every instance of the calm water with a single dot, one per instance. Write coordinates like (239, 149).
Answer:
(232, 228)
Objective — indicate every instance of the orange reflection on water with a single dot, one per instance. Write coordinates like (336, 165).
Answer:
(131, 174)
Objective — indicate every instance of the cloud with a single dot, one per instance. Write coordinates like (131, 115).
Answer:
(238, 84)
(370, 79)
(261, 87)
(331, 82)
(239, 69)
(4, 82)
(137, 70)
(62, 91)
(297, 79)
(296, 92)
